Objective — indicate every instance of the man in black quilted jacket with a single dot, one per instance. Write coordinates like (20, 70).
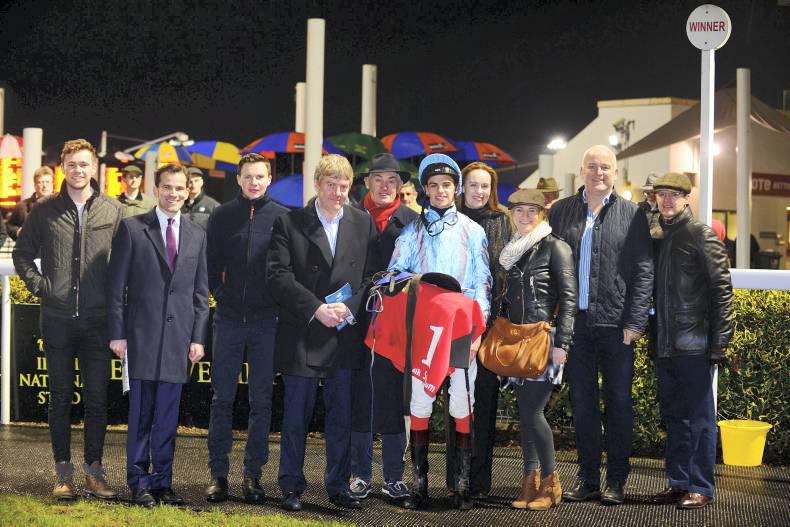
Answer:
(72, 232)
(612, 250)
(694, 327)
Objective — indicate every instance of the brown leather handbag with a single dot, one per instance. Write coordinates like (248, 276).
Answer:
(516, 350)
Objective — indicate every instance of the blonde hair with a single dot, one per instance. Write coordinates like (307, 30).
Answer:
(74, 146)
(542, 214)
(43, 171)
(333, 165)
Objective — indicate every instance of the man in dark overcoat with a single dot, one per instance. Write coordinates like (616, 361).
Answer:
(316, 251)
(158, 264)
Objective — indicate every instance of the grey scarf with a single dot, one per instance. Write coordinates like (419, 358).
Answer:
(519, 244)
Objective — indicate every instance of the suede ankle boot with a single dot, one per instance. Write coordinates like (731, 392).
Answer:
(549, 494)
(529, 490)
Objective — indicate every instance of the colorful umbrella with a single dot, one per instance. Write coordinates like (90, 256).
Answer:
(486, 152)
(284, 143)
(167, 153)
(214, 155)
(11, 146)
(356, 144)
(287, 190)
(503, 191)
(411, 144)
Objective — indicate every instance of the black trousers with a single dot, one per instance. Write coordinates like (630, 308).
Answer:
(85, 339)
(483, 432)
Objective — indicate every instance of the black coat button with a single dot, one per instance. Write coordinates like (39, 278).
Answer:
(314, 268)
(170, 318)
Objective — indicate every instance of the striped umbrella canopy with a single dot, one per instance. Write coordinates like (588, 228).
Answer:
(356, 144)
(11, 146)
(167, 153)
(284, 143)
(287, 191)
(411, 144)
(470, 151)
(214, 155)
(503, 191)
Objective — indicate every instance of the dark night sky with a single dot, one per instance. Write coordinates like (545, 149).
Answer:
(511, 73)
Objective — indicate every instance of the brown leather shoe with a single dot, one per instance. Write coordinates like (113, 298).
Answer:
(98, 488)
(64, 490)
(694, 500)
(529, 490)
(668, 496)
(95, 484)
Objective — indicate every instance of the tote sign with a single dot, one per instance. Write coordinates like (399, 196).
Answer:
(708, 27)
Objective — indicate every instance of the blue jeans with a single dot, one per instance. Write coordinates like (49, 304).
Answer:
(299, 396)
(685, 392)
(594, 349)
(231, 337)
(392, 449)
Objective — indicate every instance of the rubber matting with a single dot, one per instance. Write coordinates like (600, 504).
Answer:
(757, 496)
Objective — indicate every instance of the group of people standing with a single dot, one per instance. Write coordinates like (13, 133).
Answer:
(291, 290)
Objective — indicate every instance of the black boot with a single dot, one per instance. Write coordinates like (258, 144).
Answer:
(418, 447)
(463, 461)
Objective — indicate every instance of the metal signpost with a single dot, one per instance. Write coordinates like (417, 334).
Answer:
(708, 28)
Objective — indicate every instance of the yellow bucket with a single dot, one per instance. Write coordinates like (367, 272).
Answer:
(743, 442)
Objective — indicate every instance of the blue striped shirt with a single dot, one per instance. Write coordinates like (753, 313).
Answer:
(585, 254)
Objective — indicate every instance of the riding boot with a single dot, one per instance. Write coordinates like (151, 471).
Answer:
(418, 446)
(463, 461)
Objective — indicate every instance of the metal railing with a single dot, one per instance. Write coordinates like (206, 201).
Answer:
(741, 279)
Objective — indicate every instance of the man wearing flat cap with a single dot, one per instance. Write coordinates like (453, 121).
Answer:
(383, 180)
(551, 192)
(199, 205)
(133, 200)
(694, 320)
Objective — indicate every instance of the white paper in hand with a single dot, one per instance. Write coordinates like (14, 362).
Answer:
(125, 379)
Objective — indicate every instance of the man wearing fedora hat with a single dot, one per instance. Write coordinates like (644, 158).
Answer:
(551, 192)
(695, 323)
(383, 180)
(651, 208)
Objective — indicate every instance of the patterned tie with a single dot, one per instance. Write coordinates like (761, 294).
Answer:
(171, 244)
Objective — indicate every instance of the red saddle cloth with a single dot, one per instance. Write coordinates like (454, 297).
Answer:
(445, 325)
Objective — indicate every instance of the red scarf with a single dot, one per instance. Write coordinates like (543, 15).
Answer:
(380, 215)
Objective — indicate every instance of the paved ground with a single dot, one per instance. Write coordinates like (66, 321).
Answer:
(746, 496)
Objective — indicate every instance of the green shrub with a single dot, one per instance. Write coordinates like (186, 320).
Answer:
(753, 384)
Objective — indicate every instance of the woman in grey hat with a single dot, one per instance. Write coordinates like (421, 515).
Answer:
(540, 279)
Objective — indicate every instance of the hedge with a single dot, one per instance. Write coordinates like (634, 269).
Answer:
(753, 384)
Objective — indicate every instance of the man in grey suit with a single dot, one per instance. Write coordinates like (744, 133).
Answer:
(158, 263)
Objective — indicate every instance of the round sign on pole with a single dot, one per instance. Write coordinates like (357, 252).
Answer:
(708, 27)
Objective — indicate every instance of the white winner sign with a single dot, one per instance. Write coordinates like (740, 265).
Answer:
(708, 27)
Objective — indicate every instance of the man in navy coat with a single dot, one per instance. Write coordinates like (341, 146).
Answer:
(314, 252)
(158, 266)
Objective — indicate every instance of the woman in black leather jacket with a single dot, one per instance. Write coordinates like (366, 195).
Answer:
(541, 280)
